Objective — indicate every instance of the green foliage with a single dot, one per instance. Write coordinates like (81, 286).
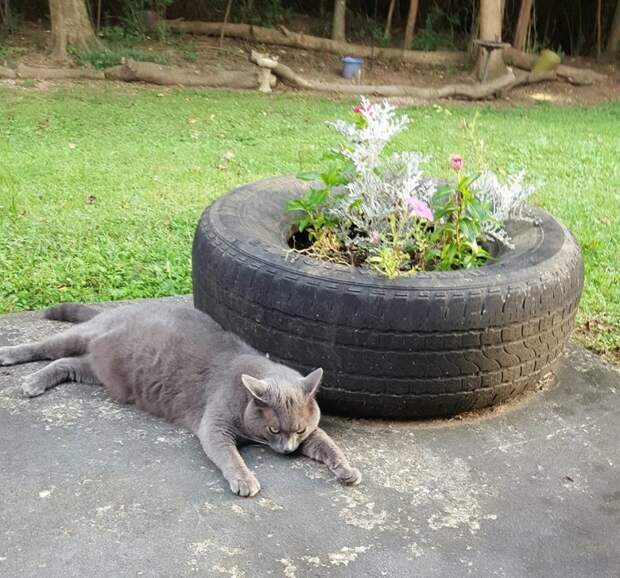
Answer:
(391, 258)
(429, 40)
(118, 35)
(434, 36)
(379, 38)
(362, 28)
(314, 202)
(264, 12)
(455, 237)
(10, 18)
(385, 219)
(190, 54)
(104, 58)
(5, 52)
(114, 217)
(120, 43)
(133, 16)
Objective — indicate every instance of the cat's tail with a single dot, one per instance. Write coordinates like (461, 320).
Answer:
(71, 312)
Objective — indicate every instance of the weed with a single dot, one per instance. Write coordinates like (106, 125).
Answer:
(190, 54)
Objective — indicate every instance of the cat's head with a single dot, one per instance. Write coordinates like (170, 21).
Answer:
(282, 411)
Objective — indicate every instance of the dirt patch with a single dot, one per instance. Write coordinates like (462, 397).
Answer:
(587, 334)
(29, 46)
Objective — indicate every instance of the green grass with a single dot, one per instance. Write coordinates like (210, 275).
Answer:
(100, 188)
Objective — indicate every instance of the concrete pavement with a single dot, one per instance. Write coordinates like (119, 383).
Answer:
(90, 488)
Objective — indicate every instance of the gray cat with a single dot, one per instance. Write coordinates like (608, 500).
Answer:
(177, 363)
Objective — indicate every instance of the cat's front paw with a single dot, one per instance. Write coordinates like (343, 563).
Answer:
(7, 356)
(349, 476)
(246, 486)
(31, 387)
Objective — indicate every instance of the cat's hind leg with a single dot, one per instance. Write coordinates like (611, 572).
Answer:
(65, 369)
(68, 344)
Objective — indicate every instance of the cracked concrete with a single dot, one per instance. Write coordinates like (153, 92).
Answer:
(88, 487)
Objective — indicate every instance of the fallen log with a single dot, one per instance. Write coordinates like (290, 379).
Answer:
(579, 76)
(6, 72)
(522, 78)
(460, 90)
(45, 73)
(134, 71)
(284, 37)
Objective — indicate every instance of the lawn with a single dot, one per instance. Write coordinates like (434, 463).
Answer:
(100, 188)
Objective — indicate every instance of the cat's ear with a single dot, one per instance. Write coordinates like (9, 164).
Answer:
(257, 387)
(311, 382)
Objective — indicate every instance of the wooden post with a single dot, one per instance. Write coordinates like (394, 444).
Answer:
(491, 30)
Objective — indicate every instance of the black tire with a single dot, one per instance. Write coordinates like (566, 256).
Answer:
(429, 345)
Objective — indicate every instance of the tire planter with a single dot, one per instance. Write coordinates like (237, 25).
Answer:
(429, 345)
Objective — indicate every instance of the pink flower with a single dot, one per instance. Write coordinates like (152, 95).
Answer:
(419, 208)
(361, 109)
(375, 238)
(457, 163)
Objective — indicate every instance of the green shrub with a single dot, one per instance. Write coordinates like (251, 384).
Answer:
(438, 32)
(133, 15)
(105, 58)
(190, 54)
(430, 40)
(264, 12)
(5, 52)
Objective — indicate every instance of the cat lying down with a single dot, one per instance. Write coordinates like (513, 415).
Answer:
(177, 363)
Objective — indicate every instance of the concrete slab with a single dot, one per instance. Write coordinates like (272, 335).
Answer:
(90, 488)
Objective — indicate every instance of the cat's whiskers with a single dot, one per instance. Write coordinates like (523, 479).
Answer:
(256, 440)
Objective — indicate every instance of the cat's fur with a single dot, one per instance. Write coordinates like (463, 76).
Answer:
(178, 363)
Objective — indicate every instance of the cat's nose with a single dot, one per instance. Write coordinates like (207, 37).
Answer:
(289, 447)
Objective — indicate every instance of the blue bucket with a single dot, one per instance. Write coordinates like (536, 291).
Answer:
(351, 67)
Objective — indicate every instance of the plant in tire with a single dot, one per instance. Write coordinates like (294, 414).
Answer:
(383, 211)
(417, 329)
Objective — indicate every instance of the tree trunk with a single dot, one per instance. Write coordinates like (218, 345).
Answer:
(132, 71)
(226, 15)
(467, 91)
(491, 29)
(523, 24)
(45, 73)
(70, 27)
(284, 37)
(599, 30)
(339, 21)
(579, 76)
(613, 43)
(388, 22)
(410, 26)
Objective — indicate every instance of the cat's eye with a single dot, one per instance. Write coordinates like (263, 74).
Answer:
(273, 430)
(301, 431)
